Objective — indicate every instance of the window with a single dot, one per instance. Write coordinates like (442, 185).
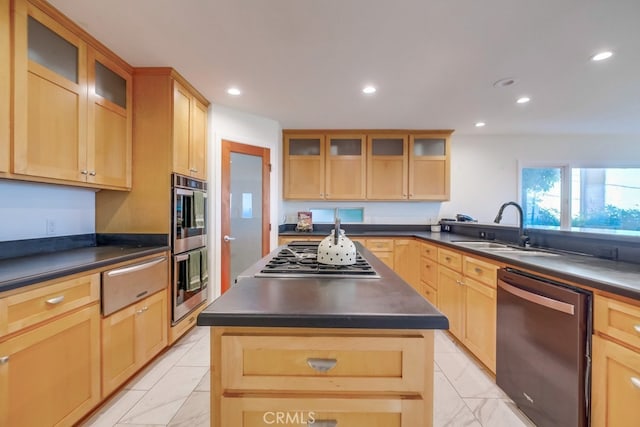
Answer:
(597, 198)
(346, 215)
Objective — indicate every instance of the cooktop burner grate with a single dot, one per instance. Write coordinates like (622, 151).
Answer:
(299, 259)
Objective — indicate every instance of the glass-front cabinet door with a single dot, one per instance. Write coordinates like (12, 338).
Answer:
(345, 167)
(387, 166)
(429, 167)
(304, 166)
(110, 116)
(50, 102)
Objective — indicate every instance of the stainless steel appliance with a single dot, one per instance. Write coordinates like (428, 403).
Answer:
(300, 259)
(189, 216)
(190, 276)
(125, 285)
(543, 359)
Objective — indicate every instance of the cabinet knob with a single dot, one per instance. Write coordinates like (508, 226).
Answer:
(84, 172)
(404, 195)
(92, 173)
(321, 365)
(460, 282)
(194, 170)
(637, 328)
(634, 380)
(478, 270)
(4, 359)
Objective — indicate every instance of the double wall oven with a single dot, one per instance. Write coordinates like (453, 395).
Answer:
(189, 245)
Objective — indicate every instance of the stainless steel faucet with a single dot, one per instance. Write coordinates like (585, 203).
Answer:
(523, 239)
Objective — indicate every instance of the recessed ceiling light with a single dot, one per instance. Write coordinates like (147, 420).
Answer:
(480, 124)
(369, 90)
(508, 81)
(234, 91)
(602, 56)
(523, 100)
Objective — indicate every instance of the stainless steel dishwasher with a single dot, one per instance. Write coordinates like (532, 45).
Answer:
(543, 353)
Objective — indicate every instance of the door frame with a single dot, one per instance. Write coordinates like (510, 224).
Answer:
(229, 147)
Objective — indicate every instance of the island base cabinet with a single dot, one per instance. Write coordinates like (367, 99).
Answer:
(50, 376)
(616, 385)
(327, 412)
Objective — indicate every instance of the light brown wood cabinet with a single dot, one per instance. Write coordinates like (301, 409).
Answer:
(406, 261)
(429, 272)
(615, 392)
(351, 377)
(366, 165)
(189, 133)
(50, 352)
(466, 293)
(65, 128)
(383, 249)
(5, 87)
(131, 337)
(324, 166)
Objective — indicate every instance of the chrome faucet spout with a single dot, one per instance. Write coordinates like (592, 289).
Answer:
(523, 239)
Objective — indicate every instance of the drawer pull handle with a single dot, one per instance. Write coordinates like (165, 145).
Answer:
(322, 423)
(447, 258)
(321, 365)
(478, 270)
(635, 381)
(137, 267)
(460, 282)
(637, 328)
(4, 359)
(56, 300)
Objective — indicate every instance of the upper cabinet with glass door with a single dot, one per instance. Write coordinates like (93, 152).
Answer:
(304, 166)
(429, 166)
(387, 165)
(5, 87)
(345, 171)
(71, 115)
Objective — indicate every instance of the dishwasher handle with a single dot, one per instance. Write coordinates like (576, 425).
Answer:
(538, 299)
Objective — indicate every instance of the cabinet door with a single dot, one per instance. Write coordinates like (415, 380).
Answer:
(428, 167)
(182, 120)
(479, 331)
(50, 102)
(304, 163)
(429, 272)
(406, 261)
(616, 385)
(451, 298)
(118, 348)
(109, 145)
(198, 142)
(345, 172)
(387, 163)
(151, 326)
(51, 374)
(5, 86)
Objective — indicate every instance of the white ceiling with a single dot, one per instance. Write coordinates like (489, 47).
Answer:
(304, 62)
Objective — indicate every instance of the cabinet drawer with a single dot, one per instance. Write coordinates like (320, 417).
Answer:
(480, 270)
(617, 319)
(430, 293)
(379, 244)
(429, 272)
(450, 259)
(21, 310)
(429, 251)
(327, 363)
(324, 412)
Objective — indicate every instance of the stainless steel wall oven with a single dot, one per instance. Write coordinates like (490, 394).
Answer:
(189, 245)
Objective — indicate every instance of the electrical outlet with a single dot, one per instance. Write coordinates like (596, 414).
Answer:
(51, 227)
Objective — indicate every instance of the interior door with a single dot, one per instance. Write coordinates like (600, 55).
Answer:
(245, 208)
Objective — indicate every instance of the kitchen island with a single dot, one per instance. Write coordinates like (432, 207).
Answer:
(322, 351)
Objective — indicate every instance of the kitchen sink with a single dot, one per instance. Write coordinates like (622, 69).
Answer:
(481, 245)
(502, 248)
(522, 252)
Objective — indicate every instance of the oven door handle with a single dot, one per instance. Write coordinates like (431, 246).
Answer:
(538, 299)
(182, 257)
(184, 192)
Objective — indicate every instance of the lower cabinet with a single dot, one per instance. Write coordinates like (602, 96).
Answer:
(451, 298)
(131, 337)
(406, 261)
(321, 377)
(50, 375)
(383, 249)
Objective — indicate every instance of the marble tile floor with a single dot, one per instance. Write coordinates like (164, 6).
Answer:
(174, 391)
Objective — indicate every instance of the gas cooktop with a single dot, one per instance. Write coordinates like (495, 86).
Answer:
(299, 259)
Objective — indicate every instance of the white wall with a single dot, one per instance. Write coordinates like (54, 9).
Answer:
(484, 173)
(26, 207)
(229, 124)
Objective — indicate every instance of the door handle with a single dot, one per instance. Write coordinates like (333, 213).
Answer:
(228, 238)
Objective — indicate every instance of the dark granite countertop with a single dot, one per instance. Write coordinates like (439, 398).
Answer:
(27, 270)
(621, 278)
(384, 303)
